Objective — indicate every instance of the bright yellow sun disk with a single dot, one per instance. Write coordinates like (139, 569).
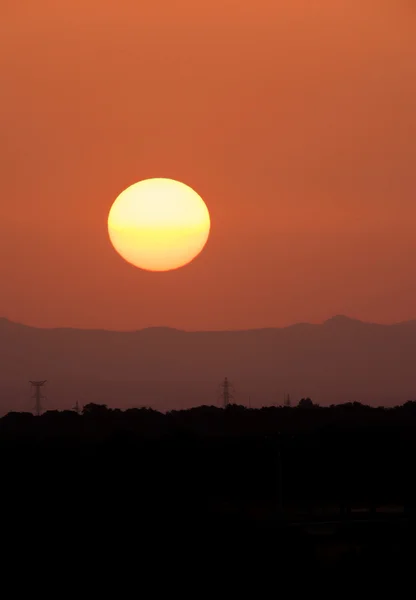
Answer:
(159, 224)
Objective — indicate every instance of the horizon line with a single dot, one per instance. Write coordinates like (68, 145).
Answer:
(334, 318)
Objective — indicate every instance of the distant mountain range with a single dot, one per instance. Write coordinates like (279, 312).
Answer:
(340, 360)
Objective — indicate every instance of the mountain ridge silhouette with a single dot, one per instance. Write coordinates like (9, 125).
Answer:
(336, 319)
(339, 360)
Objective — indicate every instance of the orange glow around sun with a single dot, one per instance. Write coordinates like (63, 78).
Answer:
(159, 224)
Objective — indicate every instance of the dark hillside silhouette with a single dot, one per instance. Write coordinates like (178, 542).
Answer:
(304, 486)
(342, 360)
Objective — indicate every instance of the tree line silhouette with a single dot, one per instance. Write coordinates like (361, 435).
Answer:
(236, 469)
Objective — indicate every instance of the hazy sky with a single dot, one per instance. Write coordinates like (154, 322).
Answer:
(295, 120)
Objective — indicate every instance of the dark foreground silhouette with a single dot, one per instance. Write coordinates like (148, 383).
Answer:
(308, 487)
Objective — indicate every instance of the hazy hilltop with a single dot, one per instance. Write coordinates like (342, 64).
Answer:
(340, 360)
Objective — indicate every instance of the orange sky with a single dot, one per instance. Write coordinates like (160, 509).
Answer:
(294, 120)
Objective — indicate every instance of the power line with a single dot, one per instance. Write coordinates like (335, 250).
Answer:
(37, 395)
(226, 392)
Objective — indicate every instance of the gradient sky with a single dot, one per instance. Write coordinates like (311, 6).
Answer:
(294, 120)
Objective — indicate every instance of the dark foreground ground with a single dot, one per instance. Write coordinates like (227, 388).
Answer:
(215, 492)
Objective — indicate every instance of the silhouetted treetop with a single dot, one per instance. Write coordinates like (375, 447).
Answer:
(306, 403)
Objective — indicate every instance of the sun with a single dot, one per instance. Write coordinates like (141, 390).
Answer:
(159, 224)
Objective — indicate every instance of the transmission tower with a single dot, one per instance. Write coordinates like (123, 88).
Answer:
(37, 394)
(287, 402)
(226, 392)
